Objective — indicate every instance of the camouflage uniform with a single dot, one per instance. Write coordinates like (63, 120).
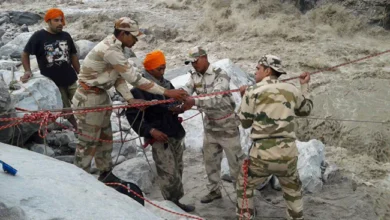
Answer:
(220, 134)
(169, 165)
(104, 66)
(270, 107)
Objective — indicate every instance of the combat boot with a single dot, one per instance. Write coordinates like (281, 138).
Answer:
(211, 196)
(186, 208)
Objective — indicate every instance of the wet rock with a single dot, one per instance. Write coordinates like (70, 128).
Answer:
(137, 171)
(24, 17)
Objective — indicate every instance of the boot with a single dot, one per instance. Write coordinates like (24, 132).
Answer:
(211, 196)
(105, 176)
(186, 208)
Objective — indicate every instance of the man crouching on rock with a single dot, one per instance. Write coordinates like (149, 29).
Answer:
(160, 126)
(270, 107)
(105, 66)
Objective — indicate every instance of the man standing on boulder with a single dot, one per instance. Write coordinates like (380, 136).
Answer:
(56, 56)
(270, 107)
(105, 66)
(220, 123)
(160, 126)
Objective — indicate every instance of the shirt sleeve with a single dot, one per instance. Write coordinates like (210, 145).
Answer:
(123, 89)
(189, 86)
(32, 44)
(127, 71)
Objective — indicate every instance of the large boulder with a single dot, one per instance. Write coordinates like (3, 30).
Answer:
(5, 106)
(37, 94)
(310, 159)
(125, 150)
(46, 188)
(83, 47)
(15, 46)
(24, 17)
(137, 171)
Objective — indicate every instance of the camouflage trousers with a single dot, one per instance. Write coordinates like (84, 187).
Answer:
(94, 125)
(214, 143)
(284, 167)
(169, 164)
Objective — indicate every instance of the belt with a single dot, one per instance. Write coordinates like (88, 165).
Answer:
(91, 88)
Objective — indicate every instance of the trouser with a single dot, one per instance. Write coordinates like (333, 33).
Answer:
(215, 142)
(284, 168)
(169, 164)
(93, 126)
(67, 94)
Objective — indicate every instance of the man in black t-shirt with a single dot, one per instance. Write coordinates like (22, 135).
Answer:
(56, 56)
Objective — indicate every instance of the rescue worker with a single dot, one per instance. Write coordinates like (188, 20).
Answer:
(221, 123)
(160, 126)
(270, 107)
(106, 66)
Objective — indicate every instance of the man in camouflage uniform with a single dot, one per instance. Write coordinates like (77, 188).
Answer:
(221, 123)
(270, 107)
(106, 66)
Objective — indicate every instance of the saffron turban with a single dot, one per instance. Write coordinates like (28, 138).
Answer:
(54, 13)
(154, 59)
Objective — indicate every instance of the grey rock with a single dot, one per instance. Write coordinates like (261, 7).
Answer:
(66, 158)
(311, 156)
(24, 28)
(125, 126)
(4, 19)
(5, 106)
(2, 32)
(63, 138)
(137, 170)
(127, 149)
(275, 183)
(83, 47)
(43, 149)
(8, 64)
(38, 93)
(12, 213)
(173, 73)
(331, 173)
(16, 45)
(24, 17)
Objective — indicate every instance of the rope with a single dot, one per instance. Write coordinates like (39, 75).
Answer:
(155, 205)
(245, 199)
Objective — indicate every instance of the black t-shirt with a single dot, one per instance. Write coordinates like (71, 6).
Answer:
(53, 53)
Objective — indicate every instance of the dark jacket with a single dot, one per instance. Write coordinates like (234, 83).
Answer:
(156, 116)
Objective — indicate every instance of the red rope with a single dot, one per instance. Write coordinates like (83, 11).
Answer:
(46, 117)
(150, 202)
(245, 167)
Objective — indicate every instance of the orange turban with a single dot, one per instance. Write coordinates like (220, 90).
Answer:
(154, 59)
(53, 13)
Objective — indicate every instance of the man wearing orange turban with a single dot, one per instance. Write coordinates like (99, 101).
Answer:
(56, 55)
(161, 128)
